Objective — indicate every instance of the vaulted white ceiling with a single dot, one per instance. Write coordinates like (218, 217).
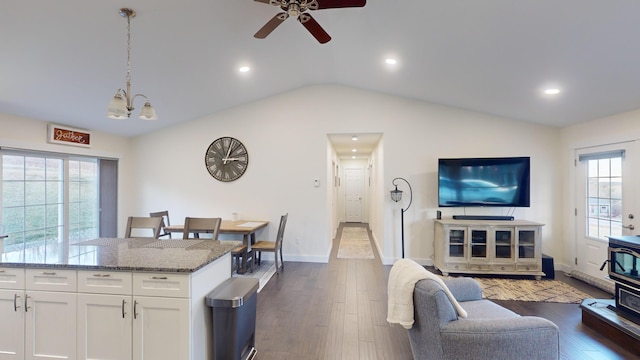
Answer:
(63, 60)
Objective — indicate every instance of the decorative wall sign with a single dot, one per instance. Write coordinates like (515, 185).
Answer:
(59, 134)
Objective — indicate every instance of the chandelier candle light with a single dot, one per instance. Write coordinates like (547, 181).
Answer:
(396, 195)
(121, 105)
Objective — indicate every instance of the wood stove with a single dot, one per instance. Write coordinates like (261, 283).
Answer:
(624, 263)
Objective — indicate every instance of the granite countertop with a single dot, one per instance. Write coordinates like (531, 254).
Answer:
(137, 254)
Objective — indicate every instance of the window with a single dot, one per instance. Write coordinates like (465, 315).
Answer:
(48, 200)
(604, 197)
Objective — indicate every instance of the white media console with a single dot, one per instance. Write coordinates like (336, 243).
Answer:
(488, 247)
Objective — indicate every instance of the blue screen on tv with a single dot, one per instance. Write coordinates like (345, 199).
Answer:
(484, 182)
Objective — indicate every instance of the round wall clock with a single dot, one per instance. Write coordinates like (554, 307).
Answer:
(226, 159)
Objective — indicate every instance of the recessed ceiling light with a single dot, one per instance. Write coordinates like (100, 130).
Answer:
(552, 91)
(353, 157)
(390, 61)
(354, 150)
(354, 138)
(244, 69)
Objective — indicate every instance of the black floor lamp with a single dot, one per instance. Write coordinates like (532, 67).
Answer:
(396, 195)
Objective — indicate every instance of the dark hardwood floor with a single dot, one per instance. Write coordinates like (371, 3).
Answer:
(338, 311)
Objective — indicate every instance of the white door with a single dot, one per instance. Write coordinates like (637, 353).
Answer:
(50, 325)
(11, 325)
(160, 328)
(353, 193)
(104, 327)
(605, 202)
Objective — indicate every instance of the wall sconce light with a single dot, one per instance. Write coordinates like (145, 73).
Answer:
(396, 195)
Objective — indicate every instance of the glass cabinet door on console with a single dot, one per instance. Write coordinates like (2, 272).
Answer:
(503, 245)
(456, 240)
(479, 245)
(529, 251)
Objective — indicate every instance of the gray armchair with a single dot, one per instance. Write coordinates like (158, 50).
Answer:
(488, 332)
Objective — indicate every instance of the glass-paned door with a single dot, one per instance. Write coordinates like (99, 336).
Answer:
(605, 199)
(47, 200)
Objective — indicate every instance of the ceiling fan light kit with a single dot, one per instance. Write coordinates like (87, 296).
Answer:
(121, 105)
(297, 9)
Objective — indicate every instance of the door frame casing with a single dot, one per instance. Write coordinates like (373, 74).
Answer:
(596, 251)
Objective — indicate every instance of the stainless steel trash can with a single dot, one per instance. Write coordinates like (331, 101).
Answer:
(233, 307)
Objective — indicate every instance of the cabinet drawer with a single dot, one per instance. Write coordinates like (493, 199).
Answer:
(480, 267)
(51, 279)
(11, 278)
(505, 267)
(456, 266)
(528, 267)
(159, 284)
(105, 282)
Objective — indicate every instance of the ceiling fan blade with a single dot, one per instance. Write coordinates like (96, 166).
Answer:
(272, 2)
(271, 25)
(314, 28)
(330, 4)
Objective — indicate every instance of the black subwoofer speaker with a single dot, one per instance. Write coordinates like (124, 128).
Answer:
(547, 267)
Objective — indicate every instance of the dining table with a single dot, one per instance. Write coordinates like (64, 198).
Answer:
(246, 228)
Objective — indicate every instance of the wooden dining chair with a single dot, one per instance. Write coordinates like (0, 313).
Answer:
(143, 223)
(197, 226)
(165, 222)
(272, 246)
(238, 254)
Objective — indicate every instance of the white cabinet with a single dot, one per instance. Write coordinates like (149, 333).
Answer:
(37, 323)
(48, 313)
(118, 320)
(11, 325)
(161, 313)
(160, 328)
(50, 325)
(11, 314)
(104, 326)
(488, 247)
(104, 315)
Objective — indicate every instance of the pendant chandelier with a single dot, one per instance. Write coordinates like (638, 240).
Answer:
(121, 105)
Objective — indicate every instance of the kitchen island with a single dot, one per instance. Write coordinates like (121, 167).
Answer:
(111, 298)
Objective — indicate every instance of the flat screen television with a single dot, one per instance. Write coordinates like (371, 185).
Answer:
(471, 182)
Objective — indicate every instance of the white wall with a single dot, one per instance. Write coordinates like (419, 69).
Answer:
(286, 136)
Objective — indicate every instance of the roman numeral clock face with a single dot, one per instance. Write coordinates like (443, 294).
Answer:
(226, 159)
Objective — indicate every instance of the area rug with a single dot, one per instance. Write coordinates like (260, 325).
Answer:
(530, 290)
(355, 244)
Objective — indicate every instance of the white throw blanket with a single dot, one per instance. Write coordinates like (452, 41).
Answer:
(403, 277)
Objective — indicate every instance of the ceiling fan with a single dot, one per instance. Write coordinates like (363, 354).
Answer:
(298, 9)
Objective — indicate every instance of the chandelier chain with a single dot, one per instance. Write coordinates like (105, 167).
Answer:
(128, 48)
